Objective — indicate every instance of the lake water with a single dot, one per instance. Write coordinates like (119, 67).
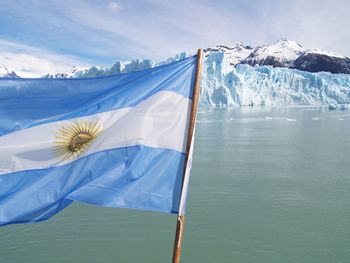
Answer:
(268, 185)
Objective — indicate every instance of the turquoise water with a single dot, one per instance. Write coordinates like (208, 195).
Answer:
(268, 185)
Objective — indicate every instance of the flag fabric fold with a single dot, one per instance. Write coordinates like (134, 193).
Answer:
(116, 141)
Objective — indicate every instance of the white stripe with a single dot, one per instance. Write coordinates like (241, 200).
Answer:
(183, 198)
(160, 121)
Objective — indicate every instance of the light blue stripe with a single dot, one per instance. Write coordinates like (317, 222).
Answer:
(29, 102)
(138, 177)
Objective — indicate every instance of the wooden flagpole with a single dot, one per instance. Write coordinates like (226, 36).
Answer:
(181, 218)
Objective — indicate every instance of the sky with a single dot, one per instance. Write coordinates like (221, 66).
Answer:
(37, 37)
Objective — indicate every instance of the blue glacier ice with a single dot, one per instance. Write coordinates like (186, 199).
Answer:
(224, 85)
(227, 85)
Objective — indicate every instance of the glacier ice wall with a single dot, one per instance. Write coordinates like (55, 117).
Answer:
(224, 85)
(118, 67)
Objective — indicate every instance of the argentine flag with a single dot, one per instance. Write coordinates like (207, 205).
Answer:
(116, 141)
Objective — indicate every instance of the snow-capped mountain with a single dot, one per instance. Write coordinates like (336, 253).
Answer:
(280, 54)
(316, 60)
(289, 54)
(234, 54)
(285, 53)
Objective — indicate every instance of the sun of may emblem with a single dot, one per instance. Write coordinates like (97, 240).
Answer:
(73, 139)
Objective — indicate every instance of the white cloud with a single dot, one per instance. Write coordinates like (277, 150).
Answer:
(158, 34)
(158, 29)
(28, 61)
(114, 7)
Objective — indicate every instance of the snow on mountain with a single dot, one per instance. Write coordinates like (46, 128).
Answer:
(289, 54)
(316, 60)
(323, 52)
(285, 53)
(235, 54)
(280, 54)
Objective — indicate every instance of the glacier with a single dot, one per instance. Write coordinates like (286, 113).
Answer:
(225, 85)
(228, 82)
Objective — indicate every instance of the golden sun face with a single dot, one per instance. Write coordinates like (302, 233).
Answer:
(74, 139)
